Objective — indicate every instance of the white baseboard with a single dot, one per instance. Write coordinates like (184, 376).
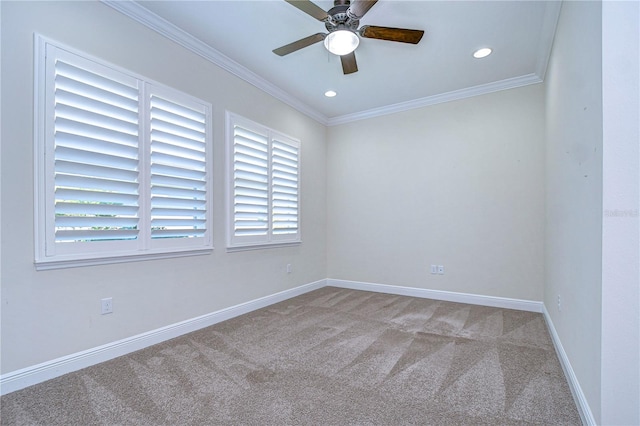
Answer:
(497, 302)
(449, 296)
(29, 376)
(578, 396)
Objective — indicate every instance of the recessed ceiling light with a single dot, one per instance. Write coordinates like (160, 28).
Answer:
(330, 93)
(482, 53)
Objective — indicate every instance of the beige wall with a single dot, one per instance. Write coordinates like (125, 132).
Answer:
(574, 191)
(49, 314)
(467, 185)
(459, 184)
(620, 371)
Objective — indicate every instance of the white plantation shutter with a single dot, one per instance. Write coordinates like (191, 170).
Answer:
(95, 155)
(122, 164)
(284, 187)
(263, 185)
(178, 169)
(250, 184)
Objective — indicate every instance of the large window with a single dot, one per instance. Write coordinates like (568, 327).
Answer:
(263, 185)
(122, 164)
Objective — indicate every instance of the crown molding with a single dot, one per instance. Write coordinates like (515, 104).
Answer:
(509, 83)
(548, 33)
(149, 19)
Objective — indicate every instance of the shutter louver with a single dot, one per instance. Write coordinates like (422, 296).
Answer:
(250, 183)
(178, 170)
(284, 188)
(95, 155)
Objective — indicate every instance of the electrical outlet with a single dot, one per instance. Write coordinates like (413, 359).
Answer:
(107, 305)
(440, 270)
(289, 268)
(434, 269)
(559, 303)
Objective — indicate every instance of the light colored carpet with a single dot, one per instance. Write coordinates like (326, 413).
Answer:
(329, 357)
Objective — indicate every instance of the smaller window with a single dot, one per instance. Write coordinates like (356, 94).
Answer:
(263, 185)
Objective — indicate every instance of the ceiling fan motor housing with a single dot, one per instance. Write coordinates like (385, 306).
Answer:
(340, 20)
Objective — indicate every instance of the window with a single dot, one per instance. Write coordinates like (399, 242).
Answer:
(121, 162)
(263, 185)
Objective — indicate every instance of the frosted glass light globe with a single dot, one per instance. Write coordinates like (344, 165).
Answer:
(341, 42)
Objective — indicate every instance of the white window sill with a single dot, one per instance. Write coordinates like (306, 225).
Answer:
(262, 246)
(76, 263)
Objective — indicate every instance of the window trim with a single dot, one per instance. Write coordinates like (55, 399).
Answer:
(44, 223)
(270, 242)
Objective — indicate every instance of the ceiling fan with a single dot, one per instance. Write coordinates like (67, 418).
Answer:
(342, 22)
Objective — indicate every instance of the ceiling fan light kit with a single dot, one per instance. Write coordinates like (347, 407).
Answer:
(342, 21)
(341, 42)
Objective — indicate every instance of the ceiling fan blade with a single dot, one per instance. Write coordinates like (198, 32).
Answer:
(349, 65)
(359, 7)
(300, 44)
(391, 34)
(309, 8)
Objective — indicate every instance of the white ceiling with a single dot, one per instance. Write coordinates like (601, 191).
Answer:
(240, 36)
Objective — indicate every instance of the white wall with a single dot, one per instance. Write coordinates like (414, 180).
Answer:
(459, 184)
(621, 202)
(49, 314)
(574, 191)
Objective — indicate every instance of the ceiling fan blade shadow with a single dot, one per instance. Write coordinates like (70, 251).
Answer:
(299, 44)
(310, 9)
(358, 8)
(349, 64)
(391, 34)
